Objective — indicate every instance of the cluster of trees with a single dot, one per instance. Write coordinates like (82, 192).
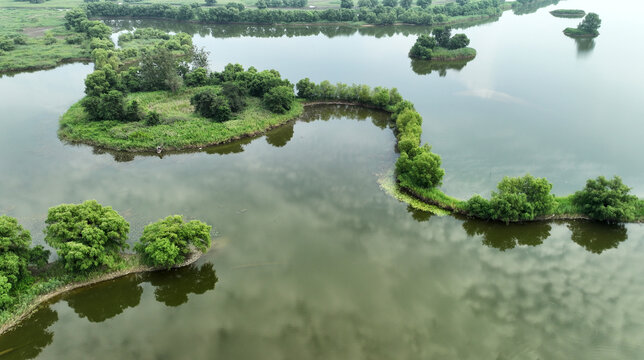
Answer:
(96, 32)
(517, 199)
(263, 4)
(162, 67)
(417, 166)
(370, 11)
(234, 85)
(589, 26)
(90, 237)
(442, 38)
(525, 198)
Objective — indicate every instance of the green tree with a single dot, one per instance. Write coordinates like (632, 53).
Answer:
(157, 66)
(212, 2)
(442, 36)
(265, 80)
(235, 94)
(279, 99)
(590, 24)
(423, 3)
(15, 256)
(168, 242)
(606, 200)
(517, 199)
(458, 41)
(390, 3)
(406, 4)
(420, 168)
(74, 18)
(346, 4)
(261, 4)
(305, 88)
(86, 236)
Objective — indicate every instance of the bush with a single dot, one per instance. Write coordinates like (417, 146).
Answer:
(211, 105)
(235, 95)
(6, 44)
(169, 241)
(152, 118)
(133, 112)
(86, 236)
(420, 168)
(49, 39)
(606, 200)
(75, 39)
(517, 199)
(197, 77)
(279, 99)
(458, 41)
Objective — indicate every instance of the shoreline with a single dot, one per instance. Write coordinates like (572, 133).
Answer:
(215, 143)
(24, 314)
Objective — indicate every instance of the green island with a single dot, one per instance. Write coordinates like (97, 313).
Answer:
(89, 240)
(39, 36)
(568, 13)
(587, 28)
(171, 100)
(442, 47)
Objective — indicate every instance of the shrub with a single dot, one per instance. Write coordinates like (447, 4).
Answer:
(133, 112)
(606, 200)
(458, 41)
(169, 241)
(211, 105)
(152, 118)
(279, 99)
(235, 95)
(75, 39)
(6, 44)
(49, 39)
(197, 77)
(86, 236)
(420, 168)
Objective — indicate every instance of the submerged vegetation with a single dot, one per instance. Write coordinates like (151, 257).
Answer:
(89, 239)
(564, 13)
(588, 27)
(442, 46)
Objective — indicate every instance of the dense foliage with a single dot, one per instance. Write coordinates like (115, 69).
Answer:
(86, 236)
(568, 13)
(15, 256)
(606, 200)
(279, 99)
(588, 27)
(371, 12)
(426, 46)
(517, 199)
(169, 241)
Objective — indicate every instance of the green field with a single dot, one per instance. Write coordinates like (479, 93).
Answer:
(34, 24)
(180, 126)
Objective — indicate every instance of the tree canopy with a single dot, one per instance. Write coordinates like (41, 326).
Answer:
(86, 236)
(169, 241)
(606, 200)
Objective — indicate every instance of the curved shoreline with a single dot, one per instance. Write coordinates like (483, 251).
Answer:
(17, 318)
(214, 143)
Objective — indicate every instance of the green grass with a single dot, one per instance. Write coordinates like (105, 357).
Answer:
(568, 13)
(35, 54)
(180, 126)
(576, 33)
(388, 184)
(443, 54)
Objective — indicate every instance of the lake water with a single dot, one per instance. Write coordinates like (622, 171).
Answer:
(314, 261)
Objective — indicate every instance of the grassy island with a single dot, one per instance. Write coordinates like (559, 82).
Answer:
(89, 240)
(442, 47)
(587, 28)
(179, 128)
(568, 13)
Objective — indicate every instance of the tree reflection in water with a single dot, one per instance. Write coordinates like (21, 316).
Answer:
(505, 237)
(597, 237)
(27, 341)
(105, 300)
(173, 286)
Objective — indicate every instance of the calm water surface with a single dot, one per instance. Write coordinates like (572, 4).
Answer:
(312, 259)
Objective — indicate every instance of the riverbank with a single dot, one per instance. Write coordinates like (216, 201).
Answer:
(131, 264)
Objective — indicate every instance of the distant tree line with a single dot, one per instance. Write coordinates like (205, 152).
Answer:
(370, 11)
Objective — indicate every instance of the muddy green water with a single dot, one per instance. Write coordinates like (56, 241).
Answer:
(312, 259)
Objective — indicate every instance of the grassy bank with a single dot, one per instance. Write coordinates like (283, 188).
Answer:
(180, 127)
(576, 33)
(564, 13)
(446, 55)
(55, 281)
